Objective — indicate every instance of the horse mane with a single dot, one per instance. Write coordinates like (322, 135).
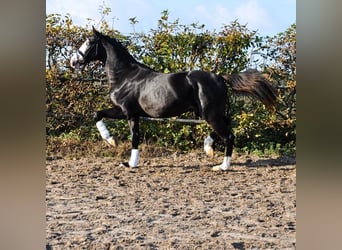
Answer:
(120, 49)
(123, 51)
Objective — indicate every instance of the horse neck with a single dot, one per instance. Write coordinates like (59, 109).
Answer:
(116, 61)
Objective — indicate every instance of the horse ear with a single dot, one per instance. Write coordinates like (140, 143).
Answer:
(95, 31)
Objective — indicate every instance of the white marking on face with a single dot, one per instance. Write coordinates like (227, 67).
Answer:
(85, 46)
(77, 58)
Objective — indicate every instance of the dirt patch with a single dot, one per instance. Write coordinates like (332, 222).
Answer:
(171, 202)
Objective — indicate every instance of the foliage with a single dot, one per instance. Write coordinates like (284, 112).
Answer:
(72, 99)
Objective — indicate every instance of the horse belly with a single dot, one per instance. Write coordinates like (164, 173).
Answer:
(161, 105)
(167, 95)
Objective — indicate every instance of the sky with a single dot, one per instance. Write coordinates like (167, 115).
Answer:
(267, 17)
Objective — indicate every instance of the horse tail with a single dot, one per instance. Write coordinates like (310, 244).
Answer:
(252, 82)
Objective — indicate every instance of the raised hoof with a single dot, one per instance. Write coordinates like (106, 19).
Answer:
(219, 168)
(209, 151)
(112, 141)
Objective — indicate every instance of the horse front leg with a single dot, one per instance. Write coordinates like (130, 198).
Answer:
(134, 128)
(112, 113)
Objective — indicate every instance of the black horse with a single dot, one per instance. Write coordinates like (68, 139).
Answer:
(136, 90)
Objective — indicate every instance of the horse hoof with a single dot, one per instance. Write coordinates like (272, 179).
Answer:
(219, 168)
(124, 164)
(112, 141)
(127, 165)
(209, 151)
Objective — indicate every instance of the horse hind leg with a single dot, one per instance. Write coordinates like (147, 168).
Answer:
(208, 145)
(229, 143)
(134, 128)
(221, 127)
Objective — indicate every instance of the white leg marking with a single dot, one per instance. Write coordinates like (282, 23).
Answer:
(105, 133)
(225, 164)
(103, 130)
(134, 161)
(208, 142)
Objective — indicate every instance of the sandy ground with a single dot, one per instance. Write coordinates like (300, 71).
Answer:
(171, 202)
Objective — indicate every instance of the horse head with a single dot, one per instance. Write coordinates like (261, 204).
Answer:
(88, 51)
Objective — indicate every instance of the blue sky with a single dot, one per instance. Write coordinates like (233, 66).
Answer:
(266, 16)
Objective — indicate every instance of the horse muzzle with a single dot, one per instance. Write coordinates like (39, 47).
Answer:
(77, 61)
